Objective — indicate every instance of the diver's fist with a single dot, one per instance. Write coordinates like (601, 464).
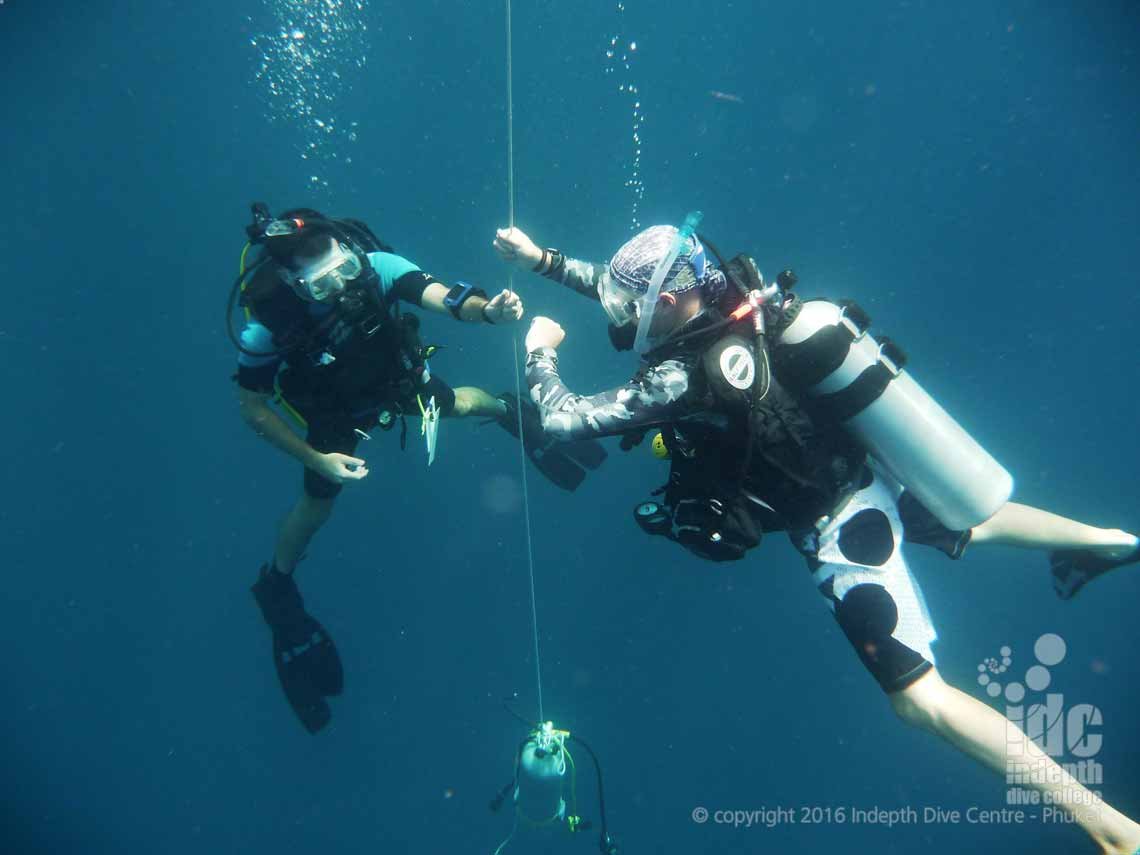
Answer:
(505, 307)
(514, 246)
(544, 332)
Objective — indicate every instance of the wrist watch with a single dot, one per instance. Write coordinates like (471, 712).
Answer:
(460, 294)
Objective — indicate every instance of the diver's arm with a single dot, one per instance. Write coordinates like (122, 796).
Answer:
(256, 412)
(515, 247)
(424, 290)
(580, 276)
(653, 398)
(403, 280)
(504, 307)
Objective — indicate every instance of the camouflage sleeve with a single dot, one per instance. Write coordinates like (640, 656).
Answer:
(654, 397)
(580, 276)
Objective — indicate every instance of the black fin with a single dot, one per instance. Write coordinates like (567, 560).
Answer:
(557, 468)
(562, 463)
(587, 452)
(1075, 568)
(305, 657)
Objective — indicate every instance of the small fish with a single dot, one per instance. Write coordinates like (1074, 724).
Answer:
(726, 96)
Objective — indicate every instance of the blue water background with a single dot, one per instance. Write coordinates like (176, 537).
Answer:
(969, 172)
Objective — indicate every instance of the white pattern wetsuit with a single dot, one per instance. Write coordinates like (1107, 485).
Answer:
(846, 516)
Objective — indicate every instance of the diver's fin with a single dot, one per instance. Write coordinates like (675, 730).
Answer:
(588, 452)
(531, 424)
(1075, 568)
(557, 468)
(562, 463)
(304, 655)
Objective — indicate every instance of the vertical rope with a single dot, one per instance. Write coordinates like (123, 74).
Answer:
(515, 361)
(510, 125)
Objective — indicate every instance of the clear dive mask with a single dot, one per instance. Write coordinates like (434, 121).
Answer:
(326, 276)
(621, 304)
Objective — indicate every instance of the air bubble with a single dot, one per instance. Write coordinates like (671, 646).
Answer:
(627, 86)
(303, 63)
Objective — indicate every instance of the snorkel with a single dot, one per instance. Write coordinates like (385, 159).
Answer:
(653, 293)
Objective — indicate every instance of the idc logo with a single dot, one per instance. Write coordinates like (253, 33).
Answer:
(1041, 721)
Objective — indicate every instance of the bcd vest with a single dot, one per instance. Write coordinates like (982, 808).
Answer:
(799, 467)
(362, 354)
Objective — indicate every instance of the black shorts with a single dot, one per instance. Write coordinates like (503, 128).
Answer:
(329, 432)
(922, 527)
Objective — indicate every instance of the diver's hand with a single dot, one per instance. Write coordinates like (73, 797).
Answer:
(544, 332)
(504, 307)
(339, 468)
(515, 247)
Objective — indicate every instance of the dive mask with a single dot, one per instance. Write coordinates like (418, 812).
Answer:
(326, 276)
(622, 305)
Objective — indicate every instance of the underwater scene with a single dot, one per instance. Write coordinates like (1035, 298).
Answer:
(566, 427)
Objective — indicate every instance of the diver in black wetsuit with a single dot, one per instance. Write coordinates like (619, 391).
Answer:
(745, 462)
(326, 340)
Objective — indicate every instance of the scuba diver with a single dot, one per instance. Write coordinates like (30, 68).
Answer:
(325, 339)
(782, 414)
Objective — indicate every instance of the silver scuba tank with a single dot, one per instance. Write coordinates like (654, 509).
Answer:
(860, 382)
(541, 780)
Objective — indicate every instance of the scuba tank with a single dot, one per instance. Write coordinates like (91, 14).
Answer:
(544, 788)
(826, 355)
(821, 352)
(542, 779)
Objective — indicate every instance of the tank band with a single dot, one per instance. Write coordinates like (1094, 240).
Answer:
(852, 400)
(808, 363)
(803, 365)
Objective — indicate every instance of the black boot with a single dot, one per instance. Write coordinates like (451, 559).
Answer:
(305, 657)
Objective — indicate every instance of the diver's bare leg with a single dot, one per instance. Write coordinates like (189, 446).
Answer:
(297, 529)
(471, 401)
(981, 732)
(1033, 528)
